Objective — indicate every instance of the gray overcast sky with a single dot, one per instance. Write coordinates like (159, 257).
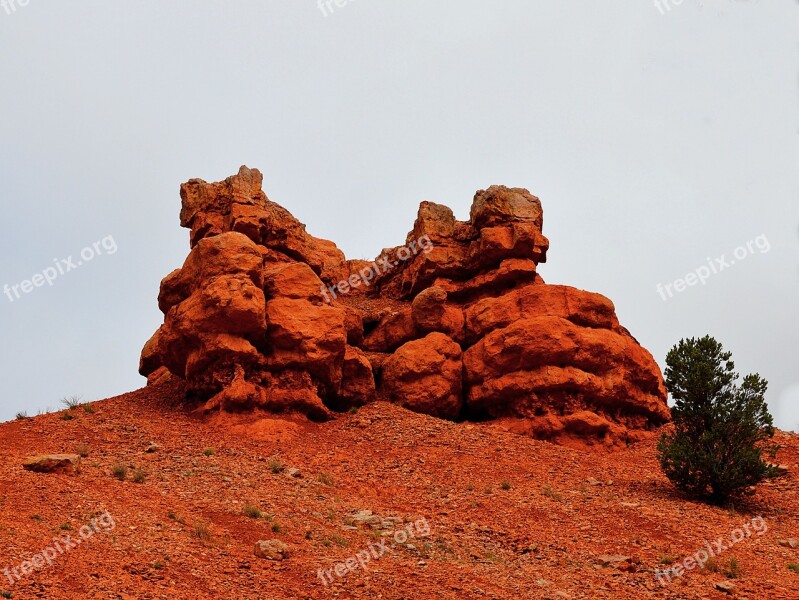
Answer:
(656, 139)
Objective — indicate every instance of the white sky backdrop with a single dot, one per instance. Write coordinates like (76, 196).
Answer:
(654, 140)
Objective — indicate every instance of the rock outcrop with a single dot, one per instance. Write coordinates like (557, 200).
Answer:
(68, 464)
(457, 323)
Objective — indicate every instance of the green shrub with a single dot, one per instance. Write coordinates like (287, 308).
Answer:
(733, 570)
(721, 429)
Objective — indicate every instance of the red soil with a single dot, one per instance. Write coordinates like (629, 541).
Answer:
(539, 538)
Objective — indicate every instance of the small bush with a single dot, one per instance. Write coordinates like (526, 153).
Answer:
(88, 409)
(733, 569)
(277, 528)
(793, 567)
(82, 450)
(120, 471)
(730, 569)
(5, 594)
(506, 485)
(202, 531)
(139, 475)
(65, 527)
(276, 465)
(67, 416)
(252, 512)
(325, 479)
(721, 429)
(21, 416)
(209, 451)
(71, 402)
(550, 492)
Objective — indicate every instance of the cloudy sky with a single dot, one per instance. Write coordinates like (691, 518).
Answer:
(661, 140)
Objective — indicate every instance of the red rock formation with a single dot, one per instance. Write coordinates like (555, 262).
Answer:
(456, 323)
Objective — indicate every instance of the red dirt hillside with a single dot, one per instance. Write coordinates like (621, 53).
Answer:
(509, 516)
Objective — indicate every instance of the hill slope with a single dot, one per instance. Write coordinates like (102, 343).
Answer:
(507, 516)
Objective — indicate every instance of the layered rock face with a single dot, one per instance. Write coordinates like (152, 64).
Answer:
(456, 323)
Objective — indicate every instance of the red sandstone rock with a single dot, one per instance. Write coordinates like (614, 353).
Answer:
(456, 323)
(394, 329)
(499, 205)
(426, 376)
(300, 334)
(357, 380)
(431, 312)
(68, 464)
(292, 280)
(581, 308)
(239, 204)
